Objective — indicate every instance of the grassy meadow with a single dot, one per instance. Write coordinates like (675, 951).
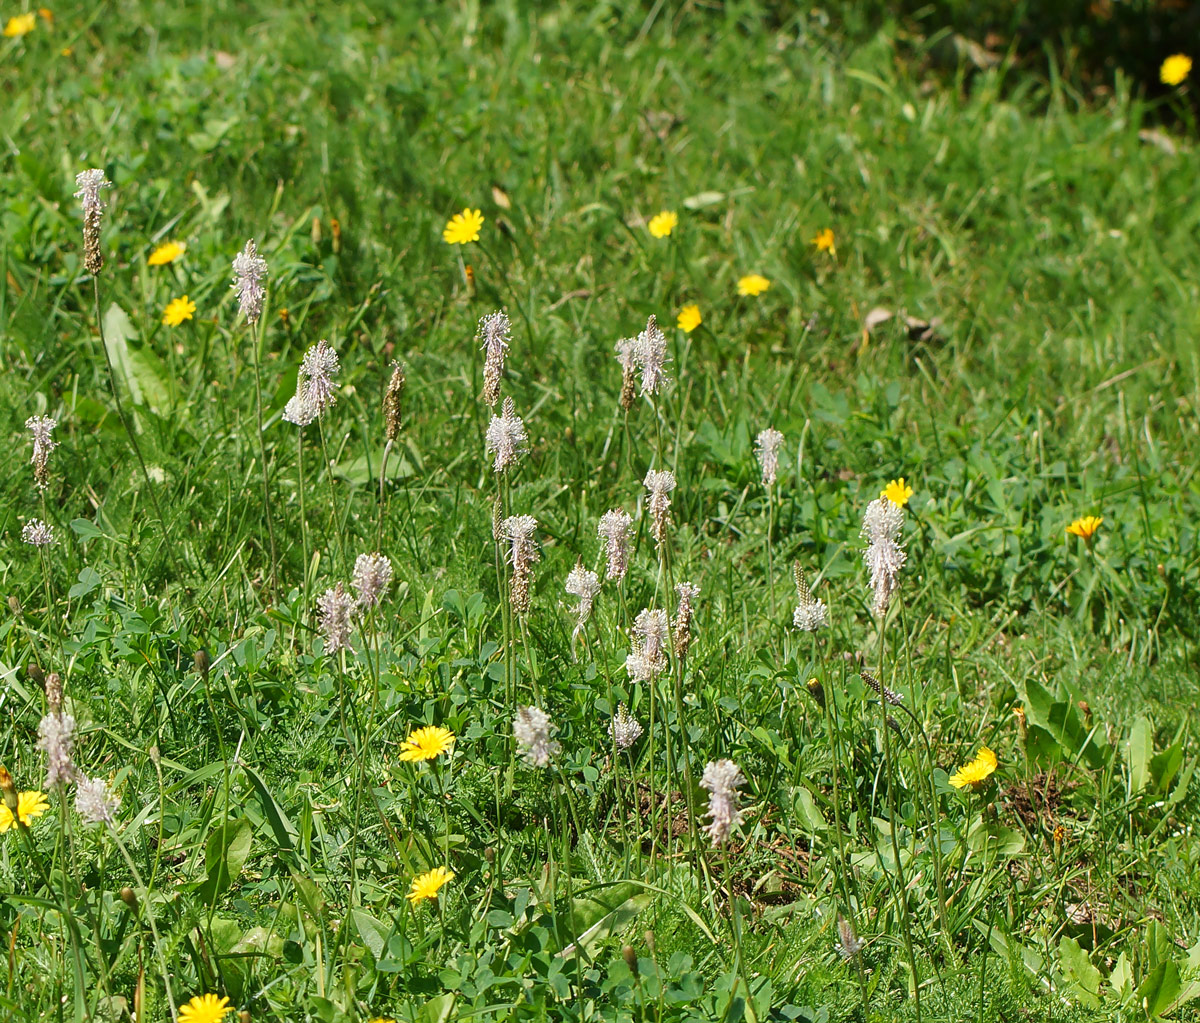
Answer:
(968, 279)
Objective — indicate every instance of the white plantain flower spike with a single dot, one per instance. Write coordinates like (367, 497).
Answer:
(810, 614)
(624, 729)
(335, 608)
(249, 272)
(518, 530)
(722, 779)
(768, 444)
(495, 329)
(614, 530)
(533, 730)
(506, 439)
(43, 443)
(651, 635)
(885, 554)
(660, 484)
(584, 584)
(93, 801)
(372, 574)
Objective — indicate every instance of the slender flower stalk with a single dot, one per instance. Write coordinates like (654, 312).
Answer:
(89, 183)
(249, 271)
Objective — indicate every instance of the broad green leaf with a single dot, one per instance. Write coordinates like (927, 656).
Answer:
(604, 913)
(1139, 751)
(1121, 979)
(810, 814)
(1083, 979)
(139, 370)
(374, 933)
(437, 1010)
(1159, 992)
(225, 854)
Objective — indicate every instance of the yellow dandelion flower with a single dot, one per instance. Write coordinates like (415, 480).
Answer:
(46, 15)
(20, 25)
(977, 771)
(689, 318)
(898, 492)
(824, 240)
(753, 284)
(427, 743)
(662, 224)
(1085, 528)
(178, 310)
(205, 1009)
(383, 1019)
(1174, 69)
(29, 805)
(463, 227)
(167, 253)
(426, 885)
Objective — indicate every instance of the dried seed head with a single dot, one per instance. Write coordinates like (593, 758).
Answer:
(624, 728)
(768, 444)
(391, 403)
(335, 609)
(518, 530)
(319, 367)
(722, 779)
(38, 533)
(372, 574)
(43, 443)
(249, 272)
(495, 329)
(683, 618)
(54, 692)
(505, 438)
(614, 529)
(93, 801)
(888, 695)
(651, 634)
(810, 614)
(533, 730)
(89, 183)
(885, 554)
(660, 484)
(584, 584)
